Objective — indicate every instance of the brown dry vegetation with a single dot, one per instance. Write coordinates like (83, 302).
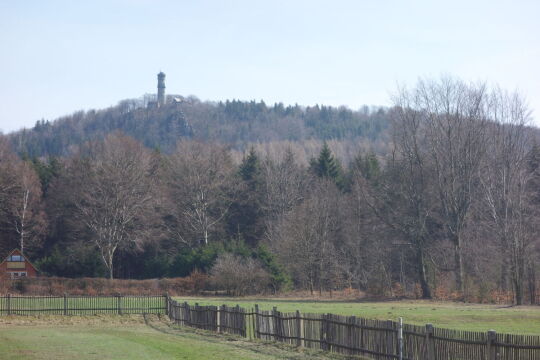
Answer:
(192, 284)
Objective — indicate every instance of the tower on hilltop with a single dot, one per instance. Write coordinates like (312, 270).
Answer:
(161, 89)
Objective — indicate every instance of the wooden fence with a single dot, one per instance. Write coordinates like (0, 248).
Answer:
(337, 333)
(82, 305)
(350, 335)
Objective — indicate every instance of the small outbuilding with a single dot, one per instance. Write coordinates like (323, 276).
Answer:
(16, 265)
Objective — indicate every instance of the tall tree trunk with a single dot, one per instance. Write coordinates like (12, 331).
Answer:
(460, 272)
(110, 261)
(518, 270)
(422, 273)
(532, 283)
(518, 287)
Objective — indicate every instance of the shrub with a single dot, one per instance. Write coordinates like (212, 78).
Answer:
(238, 275)
(189, 285)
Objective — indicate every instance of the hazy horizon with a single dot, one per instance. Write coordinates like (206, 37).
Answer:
(60, 57)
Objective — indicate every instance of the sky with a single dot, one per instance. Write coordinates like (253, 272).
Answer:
(58, 57)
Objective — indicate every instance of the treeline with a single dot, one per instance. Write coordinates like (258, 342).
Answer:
(236, 123)
(450, 211)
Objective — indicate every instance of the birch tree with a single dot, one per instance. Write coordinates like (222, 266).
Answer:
(21, 204)
(26, 210)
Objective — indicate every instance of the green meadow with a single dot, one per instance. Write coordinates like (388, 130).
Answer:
(128, 337)
(451, 315)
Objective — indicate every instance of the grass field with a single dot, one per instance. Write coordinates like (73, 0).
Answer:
(127, 337)
(473, 317)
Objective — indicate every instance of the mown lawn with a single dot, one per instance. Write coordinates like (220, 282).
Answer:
(473, 317)
(126, 337)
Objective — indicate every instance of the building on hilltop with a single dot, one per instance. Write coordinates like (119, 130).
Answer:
(161, 89)
(160, 99)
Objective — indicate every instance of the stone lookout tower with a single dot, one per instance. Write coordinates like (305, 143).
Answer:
(161, 89)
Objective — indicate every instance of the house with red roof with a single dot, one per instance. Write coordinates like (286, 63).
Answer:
(16, 265)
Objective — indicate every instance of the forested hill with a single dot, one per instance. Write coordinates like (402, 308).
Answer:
(236, 123)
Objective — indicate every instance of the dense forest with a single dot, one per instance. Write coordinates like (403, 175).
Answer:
(234, 123)
(440, 199)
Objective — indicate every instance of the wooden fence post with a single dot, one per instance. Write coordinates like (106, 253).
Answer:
(430, 342)
(491, 348)
(241, 321)
(218, 318)
(188, 314)
(275, 321)
(323, 343)
(119, 304)
(400, 339)
(197, 315)
(351, 342)
(8, 304)
(65, 304)
(298, 329)
(167, 310)
(257, 333)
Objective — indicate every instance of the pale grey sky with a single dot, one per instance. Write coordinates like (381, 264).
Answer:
(57, 57)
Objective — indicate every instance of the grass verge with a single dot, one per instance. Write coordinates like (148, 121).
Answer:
(128, 337)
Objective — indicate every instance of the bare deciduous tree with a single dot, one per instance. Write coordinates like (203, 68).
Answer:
(403, 199)
(504, 179)
(200, 189)
(113, 194)
(26, 209)
(307, 239)
(454, 126)
(20, 199)
(284, 182)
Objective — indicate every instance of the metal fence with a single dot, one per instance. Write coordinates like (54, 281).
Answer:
(356, 336)
(82, 305)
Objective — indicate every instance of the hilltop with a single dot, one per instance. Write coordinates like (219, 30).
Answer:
(233, 122)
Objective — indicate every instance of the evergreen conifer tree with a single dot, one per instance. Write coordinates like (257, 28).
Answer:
(246, 213)
(327, 166)
(367, 166)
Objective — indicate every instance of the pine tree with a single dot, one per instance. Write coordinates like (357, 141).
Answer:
(250, 169)
(46, 171)
(246, 213)
(327, 166)
(367, 166)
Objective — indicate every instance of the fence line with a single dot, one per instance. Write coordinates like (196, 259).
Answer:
(350, 335)
(82, 305)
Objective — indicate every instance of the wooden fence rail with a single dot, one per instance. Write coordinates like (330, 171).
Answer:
(82, 305)
(350, 335)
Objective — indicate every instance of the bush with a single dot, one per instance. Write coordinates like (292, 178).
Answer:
(190, 285)
(239, 276)
(280, 279)
(190, 259)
